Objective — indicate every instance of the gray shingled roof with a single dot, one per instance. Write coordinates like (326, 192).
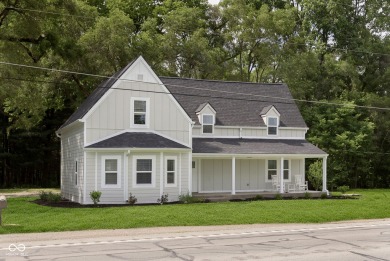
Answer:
(235, 109)
(138, 140)
(95, 96)
(254, 146)
(232, 109)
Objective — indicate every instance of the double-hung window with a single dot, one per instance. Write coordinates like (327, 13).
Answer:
(144, 171)
(272, 126)
(286, 169)
(208, 123)
(139, 112)
(170, 172)
(272, 169)
(111, 169)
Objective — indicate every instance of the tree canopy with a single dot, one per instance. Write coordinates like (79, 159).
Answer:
(333, 51)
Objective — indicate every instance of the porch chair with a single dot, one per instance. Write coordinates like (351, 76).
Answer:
(276, 182)
(299, 184)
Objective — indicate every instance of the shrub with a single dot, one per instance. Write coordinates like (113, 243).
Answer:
(259, 197)
(307, 195)
(187, 198)
(44, 196)
(324, 196)
(163, 199)
(278, 196)
(132, 199)
(343, 189)
(314, 175)
(95, 196)
(49, 196)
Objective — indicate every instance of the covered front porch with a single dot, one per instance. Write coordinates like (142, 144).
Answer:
(258, 167)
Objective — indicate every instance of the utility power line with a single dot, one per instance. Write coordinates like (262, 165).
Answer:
(195, 88)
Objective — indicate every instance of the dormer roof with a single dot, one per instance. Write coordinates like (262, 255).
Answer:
(269, 108)
(203, 106)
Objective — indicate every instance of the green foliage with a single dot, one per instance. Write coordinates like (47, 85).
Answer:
(259, 197)
(163, 199)
(132, 199)
(324, 196)
(95, 196)
(278, 196)
(307, 195)
(187, 198)
(342, 189)
(315, 175)
(49, 196)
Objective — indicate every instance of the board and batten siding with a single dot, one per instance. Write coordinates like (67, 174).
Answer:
(247, 132)
(112, 113)
(216, 174)
(72, 150)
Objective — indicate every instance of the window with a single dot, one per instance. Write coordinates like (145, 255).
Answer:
(139, 112)
(144, 171)
(111, 172)
(272, 169)
(193, 164)
(272, 126)
(170, 175)
(207, 123)
(286, 169)
(76, 174)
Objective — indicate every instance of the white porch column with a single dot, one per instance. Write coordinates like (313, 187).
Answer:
(281, 190)
(324, 185)
(233, 175)
(161, 173)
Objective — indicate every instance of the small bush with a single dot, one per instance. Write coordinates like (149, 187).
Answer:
(259, 197)
(324, 196)
(132, 199)
(44, 196)
(95, 196)
(49, 196)
(278, 196)
(188, 199)
(307, 195)
(163, 199)
(343, 189)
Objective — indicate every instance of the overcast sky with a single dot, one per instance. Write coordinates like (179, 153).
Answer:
(214, 2)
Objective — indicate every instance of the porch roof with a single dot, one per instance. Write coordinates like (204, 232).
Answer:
(145, 140)
(254, 146)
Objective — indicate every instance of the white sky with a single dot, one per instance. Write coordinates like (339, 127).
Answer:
(214, 2)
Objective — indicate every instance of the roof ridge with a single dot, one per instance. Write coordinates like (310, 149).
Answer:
(224, 81)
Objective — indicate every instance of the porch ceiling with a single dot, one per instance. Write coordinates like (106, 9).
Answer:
(254, 146)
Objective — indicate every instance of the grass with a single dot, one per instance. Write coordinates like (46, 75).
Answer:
(24, 216)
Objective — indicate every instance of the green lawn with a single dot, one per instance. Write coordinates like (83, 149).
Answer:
(24, 216)
(29, 190)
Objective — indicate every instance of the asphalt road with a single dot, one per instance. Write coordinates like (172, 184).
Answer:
(358, 240)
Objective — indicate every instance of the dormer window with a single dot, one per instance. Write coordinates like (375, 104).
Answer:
(271, 118)
(207, 123)
(206, 116)
(139, 112)
(272, 125)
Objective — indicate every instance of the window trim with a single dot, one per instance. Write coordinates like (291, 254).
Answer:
(267, 169)
(76, 173)
(212, 125)
(166, 171)
(278, 169)
(103, 171)
(153, 183)
(276, 126)
(147, 113)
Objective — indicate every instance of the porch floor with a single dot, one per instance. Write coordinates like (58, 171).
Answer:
(226, 196)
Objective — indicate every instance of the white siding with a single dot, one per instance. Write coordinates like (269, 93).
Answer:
(216, 175)
(250, 174)
(250, 132)
(112, 114)
(72, 144)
